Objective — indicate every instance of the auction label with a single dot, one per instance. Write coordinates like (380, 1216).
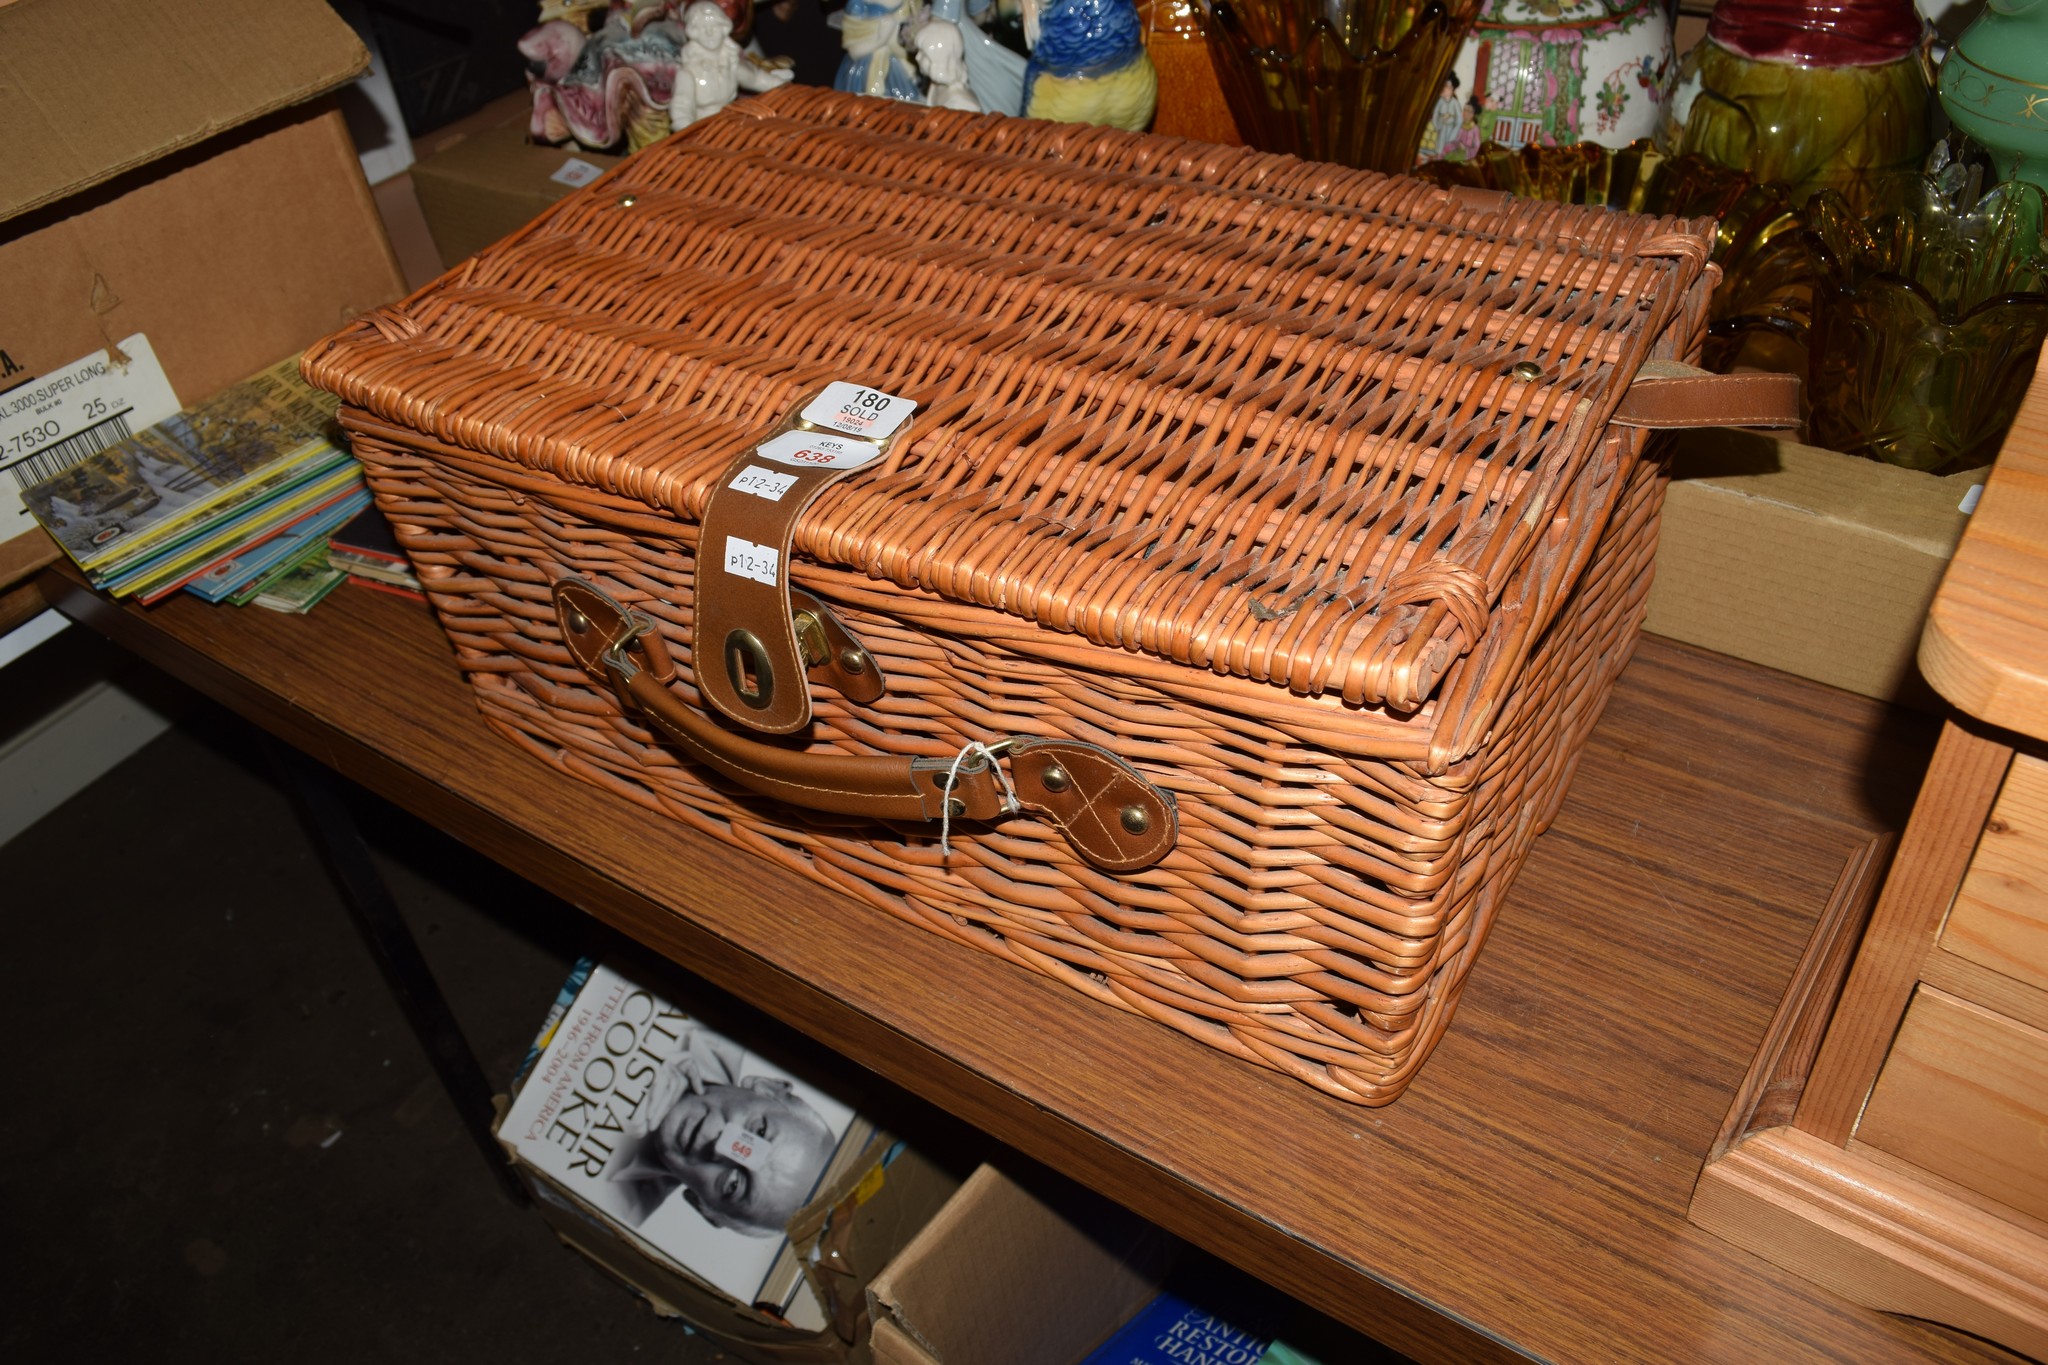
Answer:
(748, 560)
(817, 450)
(762, 483)
(49, 424)
(858, 411)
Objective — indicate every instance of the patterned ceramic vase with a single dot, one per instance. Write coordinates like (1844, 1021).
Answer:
(1994, 85)
(1814, 93)
(1547, 73)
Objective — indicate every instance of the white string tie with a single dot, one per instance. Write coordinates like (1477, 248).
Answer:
(973, 748)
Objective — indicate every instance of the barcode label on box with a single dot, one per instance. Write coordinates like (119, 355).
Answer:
(858, 411)
(49, 424)
(748, 560)
(817, 450)
(762, 483)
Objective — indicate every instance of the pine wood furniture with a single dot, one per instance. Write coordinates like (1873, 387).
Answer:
(1896, 1149)
(1527, 1197)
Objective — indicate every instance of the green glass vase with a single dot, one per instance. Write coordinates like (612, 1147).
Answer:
(1994, 86)
(1928, 314)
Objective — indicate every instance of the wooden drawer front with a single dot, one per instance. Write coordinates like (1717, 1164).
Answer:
(2000, 916)
(1964, 1094)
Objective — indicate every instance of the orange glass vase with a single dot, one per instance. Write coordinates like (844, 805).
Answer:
(1191, 102)
(1350, 81)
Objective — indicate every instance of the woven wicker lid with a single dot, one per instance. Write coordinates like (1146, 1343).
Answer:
(1274, 419)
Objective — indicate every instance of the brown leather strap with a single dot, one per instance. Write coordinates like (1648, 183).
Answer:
(1104, 809)
(750, 664)
(1667, 394)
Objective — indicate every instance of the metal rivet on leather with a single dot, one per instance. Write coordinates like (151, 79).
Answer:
(578, 622)
(1136, 819)
(955, 807)
(1055, 779)
(853, 661)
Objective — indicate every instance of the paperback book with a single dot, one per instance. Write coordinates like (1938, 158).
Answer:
(696, 1149)
(370, 553)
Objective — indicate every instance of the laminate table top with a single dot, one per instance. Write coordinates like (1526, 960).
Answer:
(1527, 1196)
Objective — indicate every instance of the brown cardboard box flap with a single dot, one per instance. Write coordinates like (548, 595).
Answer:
(227, 264)
(1001, 1277)
(92, 88)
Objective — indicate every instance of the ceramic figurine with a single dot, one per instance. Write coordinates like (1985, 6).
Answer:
(941, 57)
(994, 73)
(1814, 93)
(1994, 85)
(712, 69)
(875, 62)
(1552, 72)
(603, 88)
(612, 86)
(1088, 63)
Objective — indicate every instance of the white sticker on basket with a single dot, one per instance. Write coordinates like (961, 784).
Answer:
(762, 483)
(816, 450)
(859, 411)
(748, 560)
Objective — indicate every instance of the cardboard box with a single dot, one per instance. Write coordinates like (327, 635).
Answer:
(166, 175)
(485, 181)
(1805, 560)
(873, 1213)
(1008, 1276)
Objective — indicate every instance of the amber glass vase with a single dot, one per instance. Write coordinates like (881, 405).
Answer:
(1350, 81)
(1927, 317)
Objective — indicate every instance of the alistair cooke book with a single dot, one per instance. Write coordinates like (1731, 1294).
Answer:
(693, 1145)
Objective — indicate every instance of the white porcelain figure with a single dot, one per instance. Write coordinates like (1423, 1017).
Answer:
(712, 70)
(940, 56)
(1553, 72)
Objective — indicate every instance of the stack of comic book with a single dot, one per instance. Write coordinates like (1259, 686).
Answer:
(232, 499)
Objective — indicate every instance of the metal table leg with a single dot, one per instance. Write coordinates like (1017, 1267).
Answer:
(318, 798)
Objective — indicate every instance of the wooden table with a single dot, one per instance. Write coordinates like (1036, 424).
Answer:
(1527, 1195)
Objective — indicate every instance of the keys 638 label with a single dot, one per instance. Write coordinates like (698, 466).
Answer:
(817, 450)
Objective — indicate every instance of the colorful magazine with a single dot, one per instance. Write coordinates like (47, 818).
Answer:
(144, 490)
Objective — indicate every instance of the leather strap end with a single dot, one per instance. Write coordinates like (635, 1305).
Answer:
(1668, 396)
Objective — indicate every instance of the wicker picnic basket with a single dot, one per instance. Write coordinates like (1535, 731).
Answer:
(1214, 637)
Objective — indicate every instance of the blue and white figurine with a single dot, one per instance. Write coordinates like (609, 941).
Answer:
(875, 62)
(1088, 63)
(994, 73)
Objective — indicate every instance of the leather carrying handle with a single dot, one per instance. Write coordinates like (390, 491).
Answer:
(1667, 395)
(1103, 808)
